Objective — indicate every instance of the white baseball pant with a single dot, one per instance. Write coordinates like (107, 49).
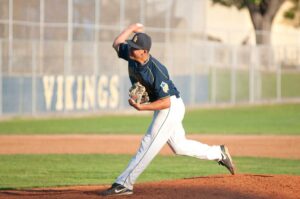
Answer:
(166, 126)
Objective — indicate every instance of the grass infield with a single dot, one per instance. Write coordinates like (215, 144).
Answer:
(281, 119)
(27, 171)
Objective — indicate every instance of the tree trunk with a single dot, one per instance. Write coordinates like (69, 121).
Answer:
(263, 31)
(262, 16)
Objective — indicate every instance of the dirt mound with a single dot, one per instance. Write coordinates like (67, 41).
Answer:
(212, 187)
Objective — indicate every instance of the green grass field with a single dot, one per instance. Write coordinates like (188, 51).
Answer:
(261, 120)
(24, 171)
(20, 171)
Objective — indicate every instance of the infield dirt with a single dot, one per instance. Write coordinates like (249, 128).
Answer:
(212, 187)
(254, 146)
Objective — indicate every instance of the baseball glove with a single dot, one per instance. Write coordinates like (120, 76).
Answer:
(138, 93)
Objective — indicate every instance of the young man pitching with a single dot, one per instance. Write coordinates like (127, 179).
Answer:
(168, 108)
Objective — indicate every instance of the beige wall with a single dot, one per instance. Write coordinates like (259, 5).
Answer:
(228, 24)
(234, 26)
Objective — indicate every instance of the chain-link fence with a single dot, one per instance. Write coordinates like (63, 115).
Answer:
(56, 56)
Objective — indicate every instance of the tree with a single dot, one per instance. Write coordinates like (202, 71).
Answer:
(293, 14)
(262, 13)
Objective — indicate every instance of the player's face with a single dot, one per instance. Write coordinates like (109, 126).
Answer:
(137, 54)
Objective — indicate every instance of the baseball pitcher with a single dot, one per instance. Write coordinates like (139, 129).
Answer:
(153, 90)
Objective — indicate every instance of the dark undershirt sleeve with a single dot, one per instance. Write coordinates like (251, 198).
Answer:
(123, 51)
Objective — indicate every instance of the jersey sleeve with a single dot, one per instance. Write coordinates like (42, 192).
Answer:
(123, 51)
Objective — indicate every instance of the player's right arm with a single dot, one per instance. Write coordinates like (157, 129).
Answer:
(123, 36)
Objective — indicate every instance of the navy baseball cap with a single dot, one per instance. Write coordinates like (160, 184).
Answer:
(140, 41)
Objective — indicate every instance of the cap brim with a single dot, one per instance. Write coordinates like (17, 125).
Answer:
(132, 44)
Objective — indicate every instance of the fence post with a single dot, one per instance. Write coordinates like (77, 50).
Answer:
(96, 72)
(33, 78)
(142, 11)
(1, 77)
(96, 50)
(213, 81)
(278, 82)
(194, 72)
(42, 35)
(10, 36)
(213, 84)
(252, 74)
(233, 75)
(67, 65)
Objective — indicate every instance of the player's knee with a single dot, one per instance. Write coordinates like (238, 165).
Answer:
(178, 150)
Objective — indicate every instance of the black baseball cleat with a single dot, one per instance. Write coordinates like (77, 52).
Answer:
(117, 190)
(226, 160)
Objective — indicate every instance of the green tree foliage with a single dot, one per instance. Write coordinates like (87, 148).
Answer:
(293, 14)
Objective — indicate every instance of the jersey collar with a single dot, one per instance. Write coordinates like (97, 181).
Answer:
(141, 66)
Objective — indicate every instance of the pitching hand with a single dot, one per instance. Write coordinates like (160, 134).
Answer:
(134, 104)
(137, 27)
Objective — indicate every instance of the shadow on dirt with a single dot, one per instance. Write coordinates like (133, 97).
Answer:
(140, 192)
(245, 186)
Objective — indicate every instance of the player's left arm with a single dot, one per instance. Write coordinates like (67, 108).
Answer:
(153, 106)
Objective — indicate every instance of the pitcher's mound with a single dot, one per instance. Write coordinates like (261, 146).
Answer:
(213, 187)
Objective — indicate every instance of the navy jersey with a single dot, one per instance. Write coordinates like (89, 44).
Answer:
(153, 75)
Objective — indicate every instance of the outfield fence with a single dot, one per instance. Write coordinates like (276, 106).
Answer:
(94, 79)
(56, 56)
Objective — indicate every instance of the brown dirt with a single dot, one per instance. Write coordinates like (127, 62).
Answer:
(256, 146)
(212, 187)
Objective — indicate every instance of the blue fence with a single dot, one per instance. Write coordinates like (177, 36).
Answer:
(27, 95)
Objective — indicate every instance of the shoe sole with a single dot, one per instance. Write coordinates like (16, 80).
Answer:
(119, 194)
(232, 169)
(126, 193)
